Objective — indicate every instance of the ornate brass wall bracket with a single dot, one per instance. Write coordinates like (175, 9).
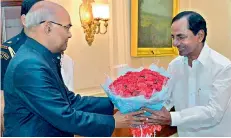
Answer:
(91, 25)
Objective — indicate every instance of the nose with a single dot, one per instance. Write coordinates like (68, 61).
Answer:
(69, 34)
(176, 42)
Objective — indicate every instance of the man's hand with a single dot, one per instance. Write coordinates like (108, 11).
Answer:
(126, 120)
(161, 117)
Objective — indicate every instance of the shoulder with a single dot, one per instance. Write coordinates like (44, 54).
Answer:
(16, 41)
(21, 65)
(27, 57)
(221, 65)
(219, 59)
(28, 63)
(11, 42)
(8, 43)
(28, 71)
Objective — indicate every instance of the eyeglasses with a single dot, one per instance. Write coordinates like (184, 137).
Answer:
(66, 27)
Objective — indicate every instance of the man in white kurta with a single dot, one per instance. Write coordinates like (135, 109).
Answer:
(201, 78)
(201, 95)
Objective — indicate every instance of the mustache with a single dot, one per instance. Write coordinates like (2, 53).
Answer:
(180, 47)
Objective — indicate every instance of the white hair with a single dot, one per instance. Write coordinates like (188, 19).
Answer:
(35, 17)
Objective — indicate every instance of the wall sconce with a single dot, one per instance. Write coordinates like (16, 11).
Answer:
(92, 15)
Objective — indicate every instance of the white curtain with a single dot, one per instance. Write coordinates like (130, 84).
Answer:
(119, 34)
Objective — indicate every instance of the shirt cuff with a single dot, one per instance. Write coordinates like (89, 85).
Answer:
(176, 118)
(168, 105)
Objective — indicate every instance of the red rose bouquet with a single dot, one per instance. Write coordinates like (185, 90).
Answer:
(137, 88)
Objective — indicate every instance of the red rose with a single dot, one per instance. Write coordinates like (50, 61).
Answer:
(145, 82)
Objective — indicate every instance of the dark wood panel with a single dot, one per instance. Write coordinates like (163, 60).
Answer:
(7, 3)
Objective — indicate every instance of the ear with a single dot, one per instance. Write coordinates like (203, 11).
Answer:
(201, 35)
(23, 19)
(47, 28)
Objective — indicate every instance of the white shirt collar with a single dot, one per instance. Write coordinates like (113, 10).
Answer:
(204, 54)
(202, 57)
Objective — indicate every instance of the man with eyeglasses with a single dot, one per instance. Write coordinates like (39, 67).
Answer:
(201, 78)
(37, 100)
(10, 47)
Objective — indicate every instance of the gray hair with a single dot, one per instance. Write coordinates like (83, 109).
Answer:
(35, 17)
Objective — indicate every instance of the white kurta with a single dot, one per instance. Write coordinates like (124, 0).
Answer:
(201, 95)
(67, 70)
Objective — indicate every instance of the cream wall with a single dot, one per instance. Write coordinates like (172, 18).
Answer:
(113, 48)
(91, 62)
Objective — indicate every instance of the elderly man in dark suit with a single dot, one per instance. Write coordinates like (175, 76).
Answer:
(10, 47)
(37, 101)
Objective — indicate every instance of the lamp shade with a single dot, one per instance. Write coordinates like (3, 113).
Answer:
(100, 10)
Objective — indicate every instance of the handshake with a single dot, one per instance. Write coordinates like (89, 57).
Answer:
(161, 117)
